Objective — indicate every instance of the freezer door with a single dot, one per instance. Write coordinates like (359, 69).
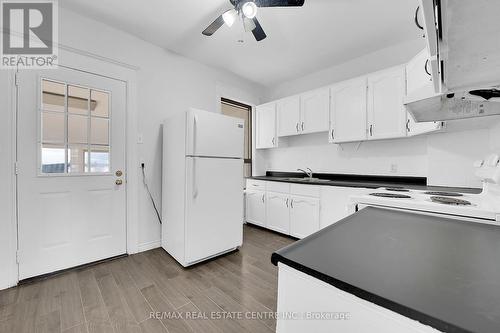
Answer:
(214, 206)
(214, 135)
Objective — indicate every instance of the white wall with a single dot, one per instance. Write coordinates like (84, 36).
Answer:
(445, 158)
(166, 83)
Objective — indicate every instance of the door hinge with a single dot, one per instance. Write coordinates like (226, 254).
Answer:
(16, 168)
(16, 79)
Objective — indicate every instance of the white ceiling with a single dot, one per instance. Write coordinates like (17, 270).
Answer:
(300, 40)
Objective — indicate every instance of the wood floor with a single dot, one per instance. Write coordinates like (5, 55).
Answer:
(122, 295)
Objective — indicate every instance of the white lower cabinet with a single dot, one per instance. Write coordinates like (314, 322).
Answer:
(304, 216)
(335, 202)
(278, 214)
(256, 207)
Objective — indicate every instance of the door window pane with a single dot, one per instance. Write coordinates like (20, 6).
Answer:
(77, 129)
(99, 131)
(78, 100)
(99, 159)
(65, 133)
(100, 104)
(53, 127)
(53, 96)
(78, 159)
(53, 158)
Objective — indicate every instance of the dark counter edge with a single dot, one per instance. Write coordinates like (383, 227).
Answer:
(373, 298)
(363, 181)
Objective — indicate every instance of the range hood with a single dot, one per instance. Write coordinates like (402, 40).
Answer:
(463, 42)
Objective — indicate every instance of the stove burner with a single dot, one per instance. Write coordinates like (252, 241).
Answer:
(444, 194)
(450, 201)
(391, 195)
(397, 189)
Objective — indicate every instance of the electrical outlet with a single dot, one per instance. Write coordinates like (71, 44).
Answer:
(140, 139)
(394, 168)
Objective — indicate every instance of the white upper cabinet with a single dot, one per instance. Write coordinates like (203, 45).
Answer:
(386, 112)
(266, 126)
(348, 111)
(419, 83)
(314, 110)
(289, 116)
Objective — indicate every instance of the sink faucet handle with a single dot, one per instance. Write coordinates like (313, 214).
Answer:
(310, 170)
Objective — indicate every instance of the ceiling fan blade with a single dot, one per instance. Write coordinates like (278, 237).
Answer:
(258, 32)
(279, 3)
(212, 28)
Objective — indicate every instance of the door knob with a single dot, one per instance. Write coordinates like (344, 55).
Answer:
(119, 182)
(118, 173)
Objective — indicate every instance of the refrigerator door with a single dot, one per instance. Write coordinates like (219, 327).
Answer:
(212, 134)
(214, 207)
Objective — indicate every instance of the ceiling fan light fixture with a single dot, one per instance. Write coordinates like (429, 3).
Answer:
(229, 17)
(249, 9)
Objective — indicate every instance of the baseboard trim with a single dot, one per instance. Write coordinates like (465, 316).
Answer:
(149, 246)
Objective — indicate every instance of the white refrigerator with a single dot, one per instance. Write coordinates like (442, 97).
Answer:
(202, 190)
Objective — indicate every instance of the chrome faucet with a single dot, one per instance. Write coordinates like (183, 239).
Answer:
(309, 173)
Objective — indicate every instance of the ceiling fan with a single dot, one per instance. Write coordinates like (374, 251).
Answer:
(247, 10)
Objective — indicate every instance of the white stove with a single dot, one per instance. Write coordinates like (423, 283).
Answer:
(483, 207)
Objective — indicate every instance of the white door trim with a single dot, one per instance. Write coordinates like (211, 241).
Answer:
(91, 64)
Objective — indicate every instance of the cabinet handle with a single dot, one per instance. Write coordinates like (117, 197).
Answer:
(302, 126)
(291, 203)
(408, 125)
(371, 130)
(333, 131)
(286, 202)
(416, 19)
(263, 198)
(426, 67)
(274, 140)
(297, 127)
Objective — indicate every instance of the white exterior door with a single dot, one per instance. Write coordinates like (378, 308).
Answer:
(71, 170)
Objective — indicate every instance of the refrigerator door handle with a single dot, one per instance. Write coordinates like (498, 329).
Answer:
(195, 130)
(195, 188)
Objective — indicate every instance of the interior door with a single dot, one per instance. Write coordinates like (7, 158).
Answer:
(315, 111)
(71, 169)
(214, 206)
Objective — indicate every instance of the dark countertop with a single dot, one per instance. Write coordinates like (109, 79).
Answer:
(441, 272)
(364, 181)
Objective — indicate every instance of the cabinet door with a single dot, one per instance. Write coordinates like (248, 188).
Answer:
(278, 217)
(256, 207)
(315, 106)
(386, 112)
(348, 111)
(304, 216)
(413, 128)
(418, 78)
(289, 116)
(266, 126)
